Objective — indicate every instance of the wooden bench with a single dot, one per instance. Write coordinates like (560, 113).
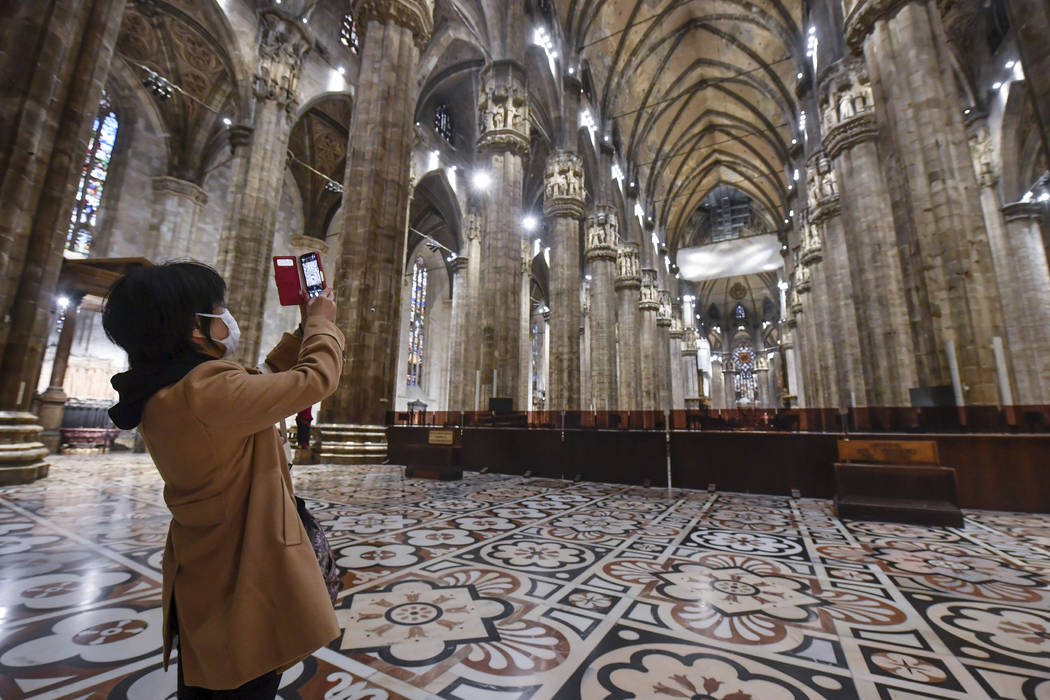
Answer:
(895, 481)
(439, 456)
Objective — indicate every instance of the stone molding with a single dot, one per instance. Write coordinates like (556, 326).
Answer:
(503, 109)
(649, 299)
(850, 132)
(459, 264)
(417, 16)
(603, 231)
(563, 190)
(861, 18)
(1021, 211)
(180, 188)
(239, 135)
(307, 243)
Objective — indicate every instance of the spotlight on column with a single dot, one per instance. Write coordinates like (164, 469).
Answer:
(482, 181)
(587, 277)
(226, 121)
(62, 303)
(529, 223)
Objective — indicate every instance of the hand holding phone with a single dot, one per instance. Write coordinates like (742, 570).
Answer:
(298, 278)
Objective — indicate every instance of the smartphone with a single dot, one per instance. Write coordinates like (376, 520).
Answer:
(313, 274)
(286, 274)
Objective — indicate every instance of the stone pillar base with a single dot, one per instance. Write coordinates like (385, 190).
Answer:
(52, 406)
(352, 444)
(21, 452)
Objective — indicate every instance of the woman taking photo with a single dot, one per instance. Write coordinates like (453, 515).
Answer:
(244, 598)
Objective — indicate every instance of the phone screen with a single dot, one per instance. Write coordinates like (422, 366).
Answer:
(312, 275)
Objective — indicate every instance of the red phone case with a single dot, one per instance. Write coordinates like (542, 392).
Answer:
(286, 274)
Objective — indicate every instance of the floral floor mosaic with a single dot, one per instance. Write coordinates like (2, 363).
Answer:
(501, 587)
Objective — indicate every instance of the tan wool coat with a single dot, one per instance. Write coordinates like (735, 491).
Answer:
(249, 593)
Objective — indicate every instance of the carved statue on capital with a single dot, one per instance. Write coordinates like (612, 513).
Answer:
(811, 246)
(282, 44)
(847, 106)
(677, 330)
(628, 265)
(690, 341)
(563, 192)
(800, 279)
(983, 154)
(415, 15)
(603, 233)
(473, 226)
(649, 299)
(663, 311)
(503, 109)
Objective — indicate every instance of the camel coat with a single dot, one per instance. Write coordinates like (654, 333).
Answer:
(250, 596)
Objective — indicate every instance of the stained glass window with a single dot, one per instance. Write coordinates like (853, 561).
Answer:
(92, 180)
(348, 34)
(744, 379)
(417, 324)
(740, 311)
(443, 123)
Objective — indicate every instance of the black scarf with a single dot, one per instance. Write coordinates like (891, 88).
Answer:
(143, 380)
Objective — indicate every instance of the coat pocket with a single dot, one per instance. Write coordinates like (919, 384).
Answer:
(203, 513)
(292, 526)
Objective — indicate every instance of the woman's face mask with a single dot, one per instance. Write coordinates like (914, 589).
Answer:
(233, 335)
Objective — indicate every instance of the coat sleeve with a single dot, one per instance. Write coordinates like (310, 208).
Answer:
(227, 397)
(285, 353)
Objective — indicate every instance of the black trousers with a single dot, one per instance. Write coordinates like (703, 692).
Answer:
(262, 688)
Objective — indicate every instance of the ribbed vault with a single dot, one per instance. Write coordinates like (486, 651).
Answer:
(699, 92)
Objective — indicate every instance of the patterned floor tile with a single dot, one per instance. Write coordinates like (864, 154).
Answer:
(508, 587)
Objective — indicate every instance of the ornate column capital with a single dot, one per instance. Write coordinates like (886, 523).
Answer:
(1019, 211)
(847, 106)
(563, 193)
(415, 15)
(603, 231)
(628, 267)
(861, 16)
(983, 154)
(690, 342)
(180, 188)
(822, 190)
(503, 109)
(663, 310)
(282, 44)
(676, 328)
(649, 299)
(305, 244)
(239, 135)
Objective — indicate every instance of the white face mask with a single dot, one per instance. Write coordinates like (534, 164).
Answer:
(233, 336)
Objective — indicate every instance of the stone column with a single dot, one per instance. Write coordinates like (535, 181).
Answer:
(1029, 312)
(664, 314)
(674, 349)
(691, 390)
(378, 183)
(943, 243)
(649, 349)
(718, 387)
(502, 146)
(563, 204)
(628, 285)
(824, 365)
(728, 372)
(762, 380)
(808, 355)
(457, 395)
(829, 261)
(863, 255)
(55, 60)
(603, 232)
(53, 400)
(246, 241)
(177, 204)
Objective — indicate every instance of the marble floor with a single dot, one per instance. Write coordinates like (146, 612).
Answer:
(501, 587)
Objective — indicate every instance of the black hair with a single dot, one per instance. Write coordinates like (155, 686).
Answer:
(152, 310)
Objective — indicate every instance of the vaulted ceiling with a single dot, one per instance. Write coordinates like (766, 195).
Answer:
(702, 93)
